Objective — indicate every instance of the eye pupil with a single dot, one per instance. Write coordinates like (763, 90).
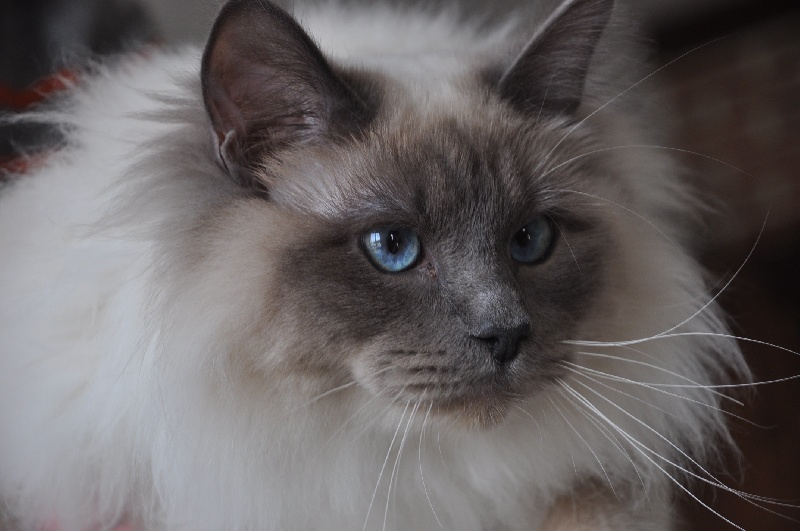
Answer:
(393, 242)
(523, 237)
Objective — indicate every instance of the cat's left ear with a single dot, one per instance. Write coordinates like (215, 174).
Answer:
(267, 86)
(550, 73)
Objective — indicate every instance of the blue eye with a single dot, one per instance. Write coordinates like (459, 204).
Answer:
(533, 242)
(392, 250)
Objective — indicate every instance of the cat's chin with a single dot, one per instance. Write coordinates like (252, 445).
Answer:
(470, 413)
(481, 408)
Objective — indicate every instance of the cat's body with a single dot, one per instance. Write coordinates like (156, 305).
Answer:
(193, 336)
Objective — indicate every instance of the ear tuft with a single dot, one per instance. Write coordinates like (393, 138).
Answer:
(550, 73)
(267, 86)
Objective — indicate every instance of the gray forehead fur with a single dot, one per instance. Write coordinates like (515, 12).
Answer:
(416, 161)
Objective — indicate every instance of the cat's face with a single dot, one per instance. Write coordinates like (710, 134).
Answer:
(496, 263)
(439, 256)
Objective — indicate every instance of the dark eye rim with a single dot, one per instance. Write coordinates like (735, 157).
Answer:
(365, 251)
(554, 231)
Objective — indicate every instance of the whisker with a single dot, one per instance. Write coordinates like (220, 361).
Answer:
(439, 444)
(576, 369)
(694, 383)
(705, 306)
(644, 146)
(607, 434)
(337, 389)
(709, 478)
(421, 475)
(633, 86)
(623, 207)
(544, 100)
(648, 427)
(610, 484)
(388, 453)
(746, 497)
(640, 400)
(574, 258)
(393, 477)
(690, 334)
(639, 447)
(538, 427)
(391, 404)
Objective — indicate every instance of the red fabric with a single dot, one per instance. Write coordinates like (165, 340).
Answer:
(19, 100)
(21, 165)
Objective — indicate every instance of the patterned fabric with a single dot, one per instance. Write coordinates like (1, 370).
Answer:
(43, 43)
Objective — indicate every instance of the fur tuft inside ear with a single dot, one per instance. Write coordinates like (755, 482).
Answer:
(550, 73)
(266, 86)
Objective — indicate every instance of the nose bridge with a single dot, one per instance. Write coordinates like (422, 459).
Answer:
(498, 303)
(488, 297)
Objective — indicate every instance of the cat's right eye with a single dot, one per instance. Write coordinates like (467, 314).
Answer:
(392, 249)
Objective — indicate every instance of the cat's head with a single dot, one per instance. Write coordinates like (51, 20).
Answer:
(426, 242)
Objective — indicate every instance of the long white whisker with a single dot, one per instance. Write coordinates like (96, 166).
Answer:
(709, 477)
(439, 444)
(639, 447)
(711, 301)
(337, 389)
(393, 477)
(649, 428)
(599, 462)
(538, 427)
(421, 475)
(582, 371)
(728, 283)
(626, 209)
(615, 98)
(644, 146)
(607, 434)
(664, 370)
(544, 99)
(574, 258)
(388, 453)
(391, 404)
(601, 344)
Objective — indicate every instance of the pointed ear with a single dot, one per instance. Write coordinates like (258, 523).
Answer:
(550, 73)
(267, 86)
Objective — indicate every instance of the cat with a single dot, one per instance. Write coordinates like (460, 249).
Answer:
(424, 274)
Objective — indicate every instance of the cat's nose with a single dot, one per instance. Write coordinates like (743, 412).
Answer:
(503, 340)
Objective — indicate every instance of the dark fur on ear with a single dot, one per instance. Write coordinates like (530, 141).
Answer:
(549, 75)
(266, 85)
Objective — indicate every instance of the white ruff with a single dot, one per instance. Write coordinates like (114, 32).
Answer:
(113, 403)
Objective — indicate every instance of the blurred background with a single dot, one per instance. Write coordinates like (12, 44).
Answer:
(734, 95)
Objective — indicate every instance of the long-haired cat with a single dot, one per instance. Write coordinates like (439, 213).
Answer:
(407, 273)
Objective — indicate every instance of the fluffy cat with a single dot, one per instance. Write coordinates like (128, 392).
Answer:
(412, 277)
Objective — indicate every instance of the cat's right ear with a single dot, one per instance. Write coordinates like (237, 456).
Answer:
(267, 86)
(550, 73)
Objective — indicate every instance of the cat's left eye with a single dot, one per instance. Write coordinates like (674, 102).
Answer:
(392, 249)
(533, 242)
